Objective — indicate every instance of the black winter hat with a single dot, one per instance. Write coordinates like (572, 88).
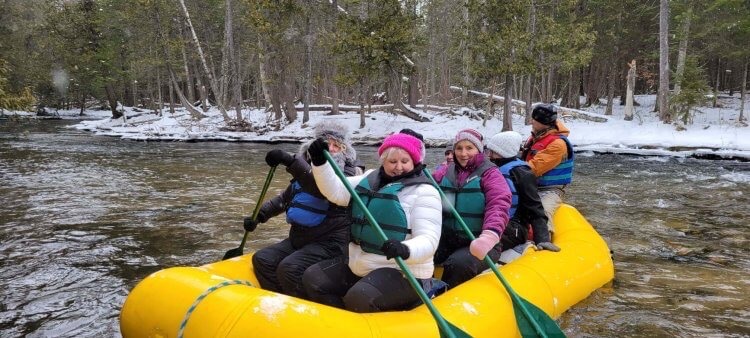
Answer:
(545, 114)
(408, 131)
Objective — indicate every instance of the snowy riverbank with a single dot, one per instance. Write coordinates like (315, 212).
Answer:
(714, 132)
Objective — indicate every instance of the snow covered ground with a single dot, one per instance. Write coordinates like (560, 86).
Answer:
(714, 132)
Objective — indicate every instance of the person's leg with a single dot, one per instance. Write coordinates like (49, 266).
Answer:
(265, 262)
(383, 289)
(462, 265)
(289, 271)
(327, 282)
(551, 200)
(514, 234)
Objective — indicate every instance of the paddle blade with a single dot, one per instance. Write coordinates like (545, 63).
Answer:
(454, 332)
(236, 252)
(546, 324)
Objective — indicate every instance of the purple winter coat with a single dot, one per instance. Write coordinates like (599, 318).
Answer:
(497, 194)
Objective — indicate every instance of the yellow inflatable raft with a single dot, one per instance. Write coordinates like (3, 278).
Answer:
(222, 299)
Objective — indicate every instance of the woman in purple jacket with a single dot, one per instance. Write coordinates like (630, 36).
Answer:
(478, 191)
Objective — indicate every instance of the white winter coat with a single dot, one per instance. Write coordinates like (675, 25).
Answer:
(423, 209)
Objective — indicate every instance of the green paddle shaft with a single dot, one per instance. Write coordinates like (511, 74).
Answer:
(260, 200)
(552, 328)
(238, 250)
(447, 330)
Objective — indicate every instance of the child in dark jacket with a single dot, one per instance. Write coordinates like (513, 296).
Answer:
(526, 205)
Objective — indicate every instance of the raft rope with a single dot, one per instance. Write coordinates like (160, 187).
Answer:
(203, 295)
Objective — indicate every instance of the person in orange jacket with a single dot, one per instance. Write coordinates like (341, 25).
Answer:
(550, 157)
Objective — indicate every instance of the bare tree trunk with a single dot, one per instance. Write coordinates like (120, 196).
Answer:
(548, 93)
(135, 93)
(465, 57)
(150, 91)
(664, 114)
(716, 83)
(288, 93)
(576, 88)
(275, 101)
(682, 49)
(589, 72)
(361, 99)
(188, 76)
(529, 97)
(365, 94)
(413, 87)
(111, 98)
(209, 74)
(334, 92)
(83, 105)
(568, 96)
(160, 105)
(334, 68)
(530, 77)
(194, 113)
(428, 86)
(611, 75)
(490, 103)
(203, 93)
(171, 98)
(507, 104)
(238, 85)
(394, 89)
(445, 80)
(743, 93)
(430, 68)
(227, 52)
(265, 81)
(308, 68)
(630, 90)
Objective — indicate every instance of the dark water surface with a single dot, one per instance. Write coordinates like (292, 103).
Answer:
(84, 218)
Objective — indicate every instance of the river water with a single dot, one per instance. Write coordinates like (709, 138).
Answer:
(84, 218)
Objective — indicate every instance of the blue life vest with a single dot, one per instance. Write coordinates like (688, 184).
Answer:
(467, 200)
(505, 170)
(306, 209)
(562, 174)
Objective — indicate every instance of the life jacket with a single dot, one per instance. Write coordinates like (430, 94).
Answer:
(562, 174)
(306, 209)
(468, 201)
(385, 208)
(505, 170)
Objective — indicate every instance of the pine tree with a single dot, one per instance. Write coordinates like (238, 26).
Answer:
(693, 91)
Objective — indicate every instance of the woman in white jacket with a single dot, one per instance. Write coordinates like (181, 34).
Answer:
(409, 211)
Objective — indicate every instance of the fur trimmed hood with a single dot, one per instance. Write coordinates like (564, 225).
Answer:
(338, 132)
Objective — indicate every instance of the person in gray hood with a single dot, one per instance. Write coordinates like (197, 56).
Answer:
(319, 229)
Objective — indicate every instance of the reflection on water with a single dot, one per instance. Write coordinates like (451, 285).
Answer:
(83, 219)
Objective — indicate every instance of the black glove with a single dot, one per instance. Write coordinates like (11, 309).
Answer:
(250, 224)
(276, 157)
(393, 248)
(316, 151)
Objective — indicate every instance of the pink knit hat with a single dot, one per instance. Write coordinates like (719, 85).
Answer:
(411, 144)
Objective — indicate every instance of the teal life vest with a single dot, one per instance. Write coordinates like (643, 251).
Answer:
(385, 208)
(468, 201)
(306, 209)
(505, 170)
